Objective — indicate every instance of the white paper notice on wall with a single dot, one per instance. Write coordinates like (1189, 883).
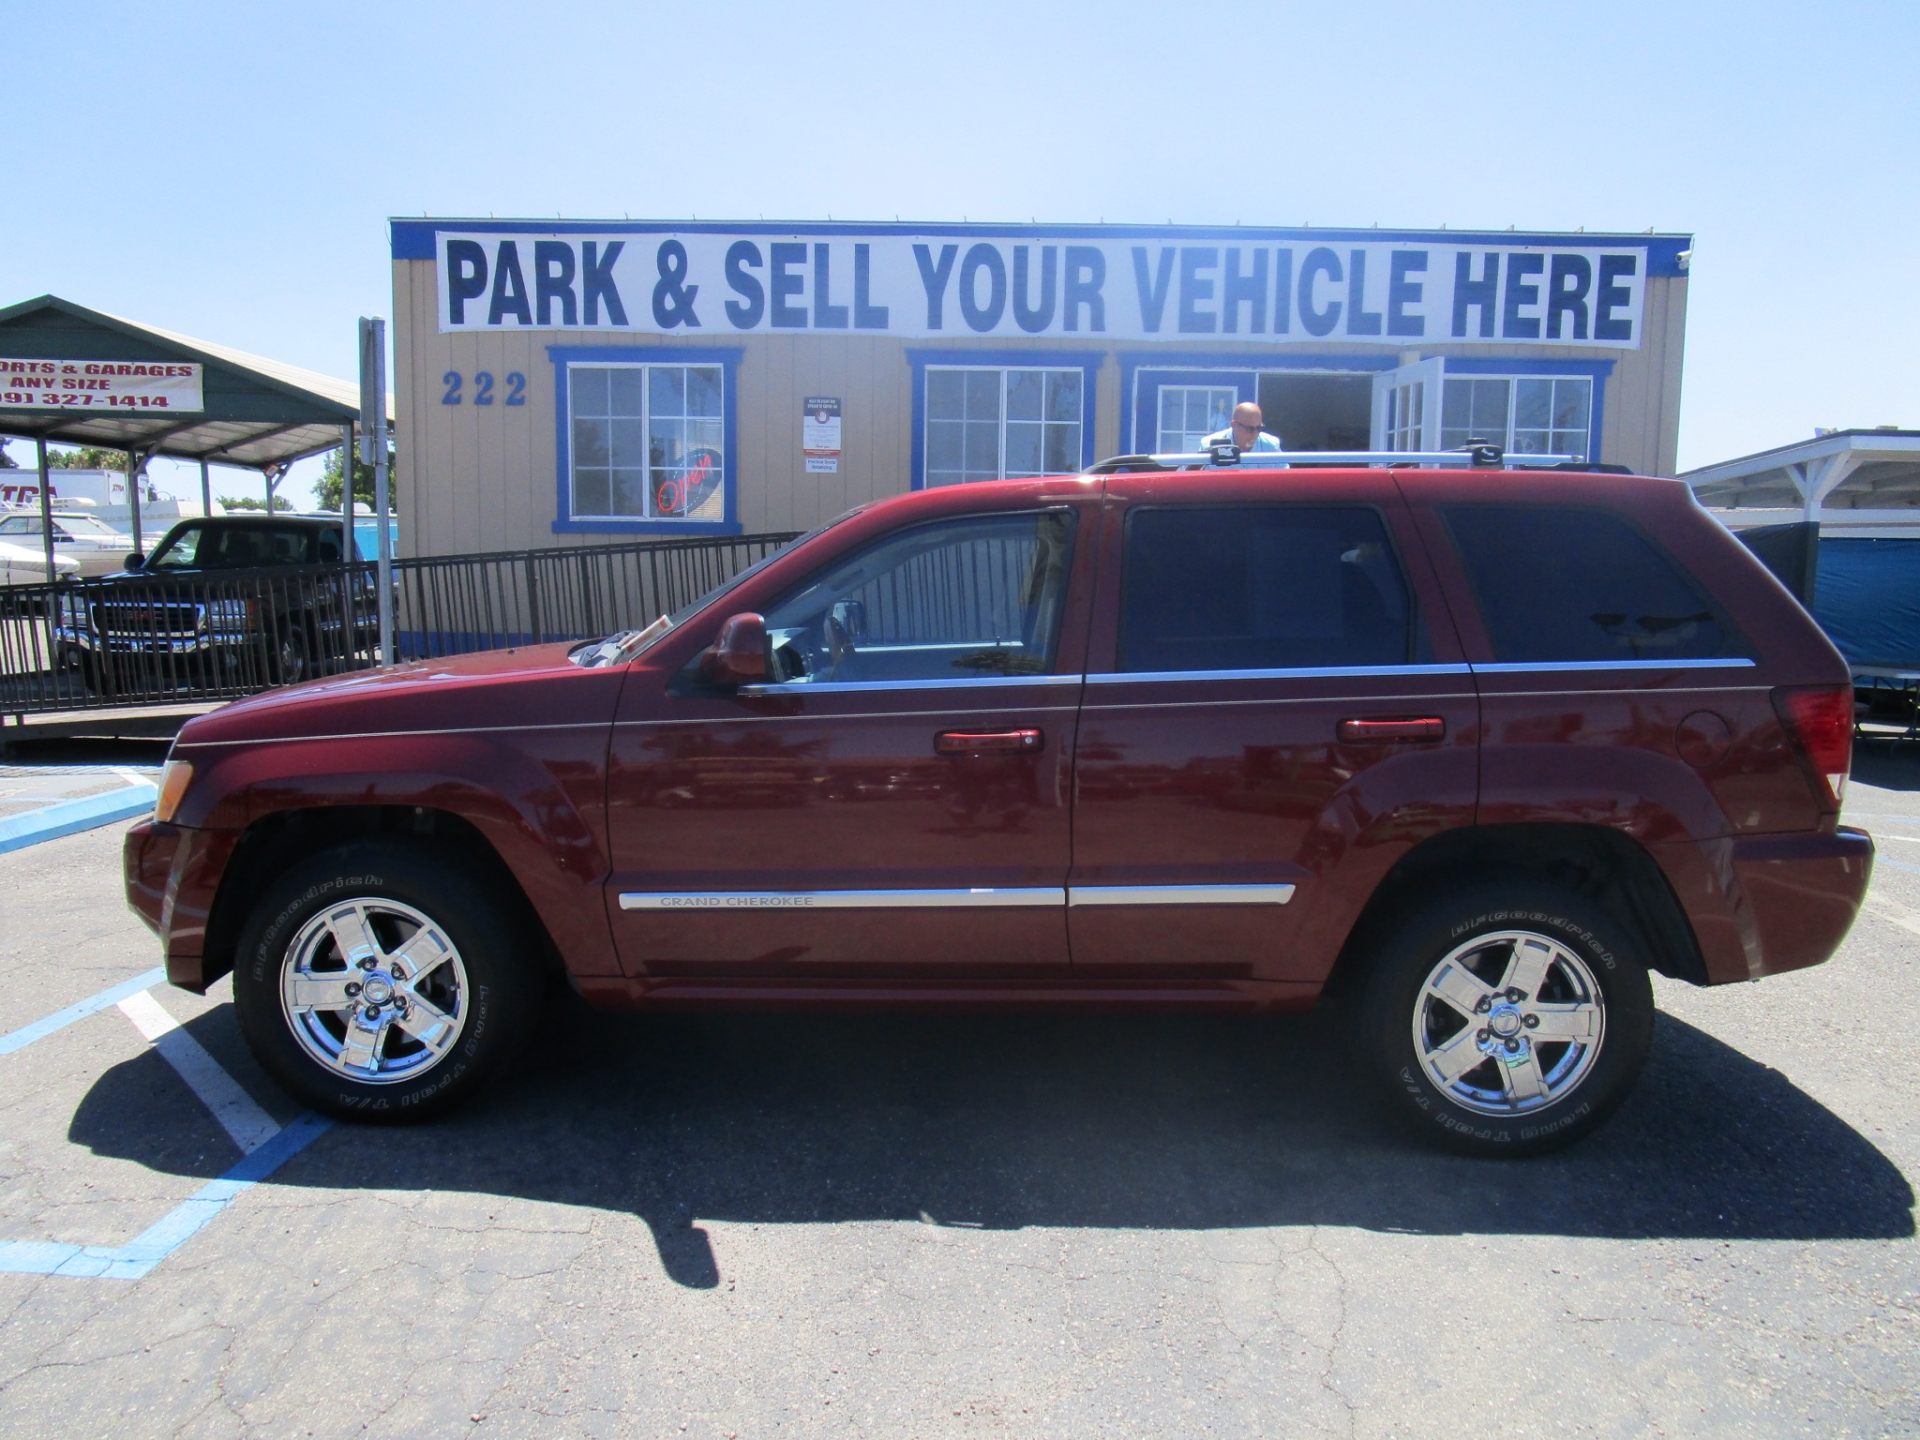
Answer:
(820, 434)
(106, 385)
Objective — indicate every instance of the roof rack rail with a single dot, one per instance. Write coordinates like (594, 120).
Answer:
(1478, 454)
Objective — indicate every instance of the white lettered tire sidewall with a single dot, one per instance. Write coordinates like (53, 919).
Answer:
(500, 982)
(1435, 929)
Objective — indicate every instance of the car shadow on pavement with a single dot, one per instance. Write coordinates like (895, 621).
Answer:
(1887, 764)
(1011, 1120)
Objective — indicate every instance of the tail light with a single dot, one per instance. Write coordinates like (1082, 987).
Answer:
(1819, 719)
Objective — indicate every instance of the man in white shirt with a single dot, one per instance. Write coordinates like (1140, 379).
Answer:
(1245, 431)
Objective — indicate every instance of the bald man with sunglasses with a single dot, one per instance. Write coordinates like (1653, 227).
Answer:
(1244, 432)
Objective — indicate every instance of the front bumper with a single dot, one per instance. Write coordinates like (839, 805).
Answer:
(172, 876)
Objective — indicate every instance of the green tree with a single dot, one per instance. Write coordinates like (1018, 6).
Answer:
(254, 502)
(327, 492)
(87, 457)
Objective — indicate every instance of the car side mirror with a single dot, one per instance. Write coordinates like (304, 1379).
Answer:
(739, 655)
(135, 559)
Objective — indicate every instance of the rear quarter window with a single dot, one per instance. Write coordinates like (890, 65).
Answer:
(1570, 585)
(1276, 587)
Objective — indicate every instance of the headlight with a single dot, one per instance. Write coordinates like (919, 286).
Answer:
(231, 614)
(173, 789)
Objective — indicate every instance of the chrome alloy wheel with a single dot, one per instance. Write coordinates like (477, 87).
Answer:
(1509, 1023)
(374, 990)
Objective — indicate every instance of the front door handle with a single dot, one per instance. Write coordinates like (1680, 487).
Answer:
(1422, 727)
(973, 742)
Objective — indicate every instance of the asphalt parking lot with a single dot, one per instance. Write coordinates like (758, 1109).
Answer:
(731, 1226)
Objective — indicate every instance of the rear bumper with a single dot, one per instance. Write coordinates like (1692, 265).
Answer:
(1764, 904)
(172, 876)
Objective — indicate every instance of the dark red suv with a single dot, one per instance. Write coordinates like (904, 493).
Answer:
(1471, 750)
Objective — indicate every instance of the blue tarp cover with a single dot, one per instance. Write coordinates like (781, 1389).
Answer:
(1868, 600)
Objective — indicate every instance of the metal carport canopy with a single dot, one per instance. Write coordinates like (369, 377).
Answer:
(259, 414)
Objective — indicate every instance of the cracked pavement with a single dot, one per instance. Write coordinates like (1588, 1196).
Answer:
(749, 1225)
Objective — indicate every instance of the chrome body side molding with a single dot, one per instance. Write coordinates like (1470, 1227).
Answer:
(841, 899)
(981, 898)
(1179, 894)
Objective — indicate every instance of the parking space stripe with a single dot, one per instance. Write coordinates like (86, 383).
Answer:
(93, 1004)
(146, 1250)
(69, 817)
(238, 1113)
(1892, 911)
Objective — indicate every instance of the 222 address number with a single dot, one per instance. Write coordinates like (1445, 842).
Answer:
(483, 388)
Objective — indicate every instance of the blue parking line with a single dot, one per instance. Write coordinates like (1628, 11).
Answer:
(146, 1250)
(70, 817)
(60, 1019)
(1879, 860)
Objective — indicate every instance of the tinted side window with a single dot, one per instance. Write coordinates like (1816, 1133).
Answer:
(1556, 584)
(954, 600)
(1261, 588)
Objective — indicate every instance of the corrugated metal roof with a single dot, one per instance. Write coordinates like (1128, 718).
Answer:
(263, 412)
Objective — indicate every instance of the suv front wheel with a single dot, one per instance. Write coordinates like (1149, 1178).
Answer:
(377, 982)
(1508, 1019)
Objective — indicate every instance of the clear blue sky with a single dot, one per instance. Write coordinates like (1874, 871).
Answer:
(227, 169)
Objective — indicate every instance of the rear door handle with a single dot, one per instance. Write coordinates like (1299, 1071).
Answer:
(1423, 727)
(970, 742)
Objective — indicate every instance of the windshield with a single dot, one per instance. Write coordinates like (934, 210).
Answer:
(87, 525)
(178, 552)
(241, 547)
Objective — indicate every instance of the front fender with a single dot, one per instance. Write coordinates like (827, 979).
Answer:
(537, 797)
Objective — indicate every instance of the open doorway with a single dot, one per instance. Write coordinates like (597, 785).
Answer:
(1310, 411)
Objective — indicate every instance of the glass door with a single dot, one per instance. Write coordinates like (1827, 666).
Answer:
(1406, 406)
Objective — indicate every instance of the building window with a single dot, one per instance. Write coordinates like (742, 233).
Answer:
(648, 442)
(1524, 415)
(995, 424)
(1190, 413)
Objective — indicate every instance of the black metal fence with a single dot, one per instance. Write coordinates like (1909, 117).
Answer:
(151, 639)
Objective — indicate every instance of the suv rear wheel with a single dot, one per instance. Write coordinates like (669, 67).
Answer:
(378, 983)
(1508, 1019)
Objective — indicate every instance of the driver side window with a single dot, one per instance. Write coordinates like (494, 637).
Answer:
(967, 599)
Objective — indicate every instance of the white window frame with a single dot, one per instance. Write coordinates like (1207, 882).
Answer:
(1179, 445)
(1505, 440)
(928, 418)
(651, 514)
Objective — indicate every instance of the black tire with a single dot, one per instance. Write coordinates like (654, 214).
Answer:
(1594, 983)
(90, 671)
(292, 658)
(290, 949)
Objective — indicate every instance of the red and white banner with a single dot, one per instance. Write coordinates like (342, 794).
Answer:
(99, 385)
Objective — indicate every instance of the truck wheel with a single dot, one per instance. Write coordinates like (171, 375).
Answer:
(378, 983)
(292, 656)
(1508, 1019)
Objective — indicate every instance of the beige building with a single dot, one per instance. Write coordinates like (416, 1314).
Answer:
(573, 382)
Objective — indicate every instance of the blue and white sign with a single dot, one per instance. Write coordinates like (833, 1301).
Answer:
(1265, 286)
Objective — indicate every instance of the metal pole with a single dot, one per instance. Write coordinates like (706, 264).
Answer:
(373, 438)
(206, 490)
(134, 462)
(46, 503)
(349, 548)
(266, 474)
